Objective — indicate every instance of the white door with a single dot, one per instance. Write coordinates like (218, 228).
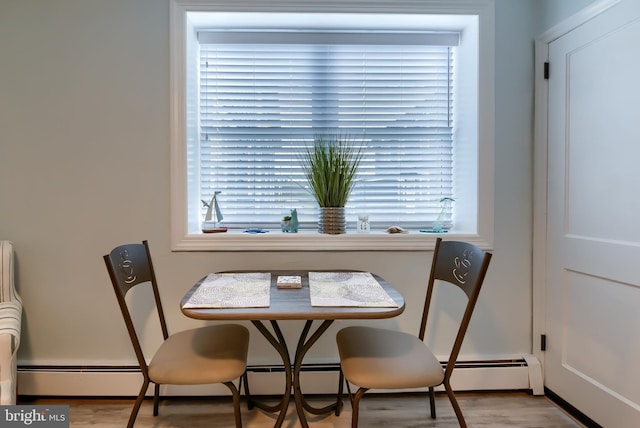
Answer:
(592, 358)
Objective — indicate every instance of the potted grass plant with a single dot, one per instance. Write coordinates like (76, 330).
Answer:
(330, 166)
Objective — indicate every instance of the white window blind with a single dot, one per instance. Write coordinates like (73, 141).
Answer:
(263, 97)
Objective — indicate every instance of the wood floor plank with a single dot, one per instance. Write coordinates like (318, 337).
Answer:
(483, 410)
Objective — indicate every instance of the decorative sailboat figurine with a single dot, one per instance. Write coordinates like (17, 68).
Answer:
(213, 213)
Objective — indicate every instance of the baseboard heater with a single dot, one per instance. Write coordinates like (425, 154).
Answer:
(310, 367)
(268, 379)
(336, 366)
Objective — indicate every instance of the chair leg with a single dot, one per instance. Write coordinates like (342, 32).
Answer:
(349, 394)
(355, 405)
(339, 396)
(432, 401)
(236, 403)
(138, 403)
(247, 392)
(156, 399)
(454, 403)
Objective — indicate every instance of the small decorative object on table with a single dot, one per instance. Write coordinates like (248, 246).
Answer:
(290, 222)
(289, 281)
(209, 226)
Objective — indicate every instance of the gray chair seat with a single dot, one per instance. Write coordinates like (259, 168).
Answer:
(212, 354)
(376, 358)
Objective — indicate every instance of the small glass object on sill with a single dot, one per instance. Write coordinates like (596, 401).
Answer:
(363, 225)
(438, 225)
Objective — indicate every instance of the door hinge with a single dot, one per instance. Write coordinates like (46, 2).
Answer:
(546, 70)
(543, 342)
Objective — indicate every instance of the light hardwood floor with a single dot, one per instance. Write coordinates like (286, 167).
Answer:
(490, 409)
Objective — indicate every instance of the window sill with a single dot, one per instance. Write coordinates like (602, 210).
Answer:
(275, 240)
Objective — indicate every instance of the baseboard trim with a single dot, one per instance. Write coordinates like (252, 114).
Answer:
(125, 381)
(584, 419)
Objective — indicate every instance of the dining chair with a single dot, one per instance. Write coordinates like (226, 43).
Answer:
(204, 355)
(375, 358)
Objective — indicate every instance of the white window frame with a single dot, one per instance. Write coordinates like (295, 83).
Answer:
(475, 20)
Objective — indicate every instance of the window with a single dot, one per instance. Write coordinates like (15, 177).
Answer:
(255, 94)
(264, 95)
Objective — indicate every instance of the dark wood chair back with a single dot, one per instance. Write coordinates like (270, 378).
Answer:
(129, 266)
(463, 265)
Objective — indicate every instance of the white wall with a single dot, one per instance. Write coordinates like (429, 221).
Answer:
(552, 12)
(84, 166)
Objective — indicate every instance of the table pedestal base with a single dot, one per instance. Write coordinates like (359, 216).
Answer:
(292, 373)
